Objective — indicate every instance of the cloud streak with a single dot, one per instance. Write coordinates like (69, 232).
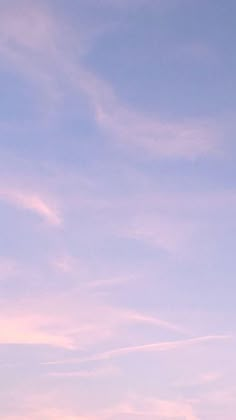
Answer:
(164, 346)
(92, 373)
(158, 322)
(33, 203)
(150, 136)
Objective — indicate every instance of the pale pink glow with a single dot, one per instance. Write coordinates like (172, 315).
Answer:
(50, 414)
(47, 406)
(210, 377)
(77, 320)
(82, 311)
(32, 202)
(135, 406)
(154, 409)
(31, 330)
(140, 407)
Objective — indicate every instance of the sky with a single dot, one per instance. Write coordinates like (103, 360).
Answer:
(117, 210)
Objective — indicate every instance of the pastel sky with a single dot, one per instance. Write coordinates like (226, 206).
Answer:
(117, 210)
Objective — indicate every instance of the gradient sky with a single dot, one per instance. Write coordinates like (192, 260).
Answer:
(117, 210)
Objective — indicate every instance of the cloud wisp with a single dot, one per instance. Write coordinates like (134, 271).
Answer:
(164, 346)
(146, 135)
(86, 374)
(33, 203)
(149, 135)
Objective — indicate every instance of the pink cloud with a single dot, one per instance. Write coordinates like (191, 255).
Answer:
(32, 202)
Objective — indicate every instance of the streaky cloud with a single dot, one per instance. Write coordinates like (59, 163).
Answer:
(149, 136)
(32, 202)
(164, 346)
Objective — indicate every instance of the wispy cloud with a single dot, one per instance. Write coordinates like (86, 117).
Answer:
(92, 373)
(166, 220)
(78, 320)
(147, 134)
(28, 35)
(28, 27)
(168, 233)
(151, 136)
(164, 346)
(32, 202)
(158, 322)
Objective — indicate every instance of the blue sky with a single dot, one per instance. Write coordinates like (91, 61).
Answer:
(117, 205)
